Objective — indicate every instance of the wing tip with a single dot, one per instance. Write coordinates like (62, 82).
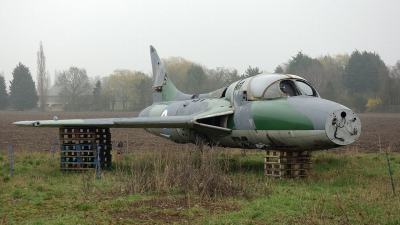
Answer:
(26, 123)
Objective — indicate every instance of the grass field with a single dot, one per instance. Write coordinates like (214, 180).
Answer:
(185, 186)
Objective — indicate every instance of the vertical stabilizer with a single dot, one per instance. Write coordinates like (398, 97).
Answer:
(165, 89)
(158, 68)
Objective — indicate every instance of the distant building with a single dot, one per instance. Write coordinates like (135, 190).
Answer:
(53, 100)
(54, 103)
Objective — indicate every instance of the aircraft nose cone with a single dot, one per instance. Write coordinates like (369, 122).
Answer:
(343, 127)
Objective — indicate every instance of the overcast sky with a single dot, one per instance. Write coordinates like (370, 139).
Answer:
(102, 36)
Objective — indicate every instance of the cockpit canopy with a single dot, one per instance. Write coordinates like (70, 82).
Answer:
(271, 86)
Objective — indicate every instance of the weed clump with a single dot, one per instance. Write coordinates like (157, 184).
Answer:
(83, 206)
(189, 171)
(6, 179)
(17, 193)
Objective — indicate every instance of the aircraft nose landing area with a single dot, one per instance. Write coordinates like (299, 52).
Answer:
(343, 127)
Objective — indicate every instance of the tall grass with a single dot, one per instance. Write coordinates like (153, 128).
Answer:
(205, 174)
(216, 186)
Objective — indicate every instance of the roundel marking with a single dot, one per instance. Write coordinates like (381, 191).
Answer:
(164, 113)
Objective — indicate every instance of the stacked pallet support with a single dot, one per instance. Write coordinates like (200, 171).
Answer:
(78, 148)
(288, 164)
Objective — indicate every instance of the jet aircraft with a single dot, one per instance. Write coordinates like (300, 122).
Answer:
(268, 111)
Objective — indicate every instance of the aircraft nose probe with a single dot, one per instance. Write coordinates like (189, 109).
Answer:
(343, 127)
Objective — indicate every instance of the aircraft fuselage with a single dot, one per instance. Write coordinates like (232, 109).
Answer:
(291, 123)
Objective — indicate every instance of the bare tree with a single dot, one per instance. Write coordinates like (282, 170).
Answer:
(43, 77)
(3, 92)
(74, 84)
(221, 77)
(108, 92)
(176, 68)
(392, 88)
(317, 76)
(395, 70)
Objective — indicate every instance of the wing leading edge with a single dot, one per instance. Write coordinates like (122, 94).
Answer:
(133, 122)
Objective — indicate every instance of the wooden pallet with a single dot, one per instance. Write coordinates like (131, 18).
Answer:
(78, 148)
(288, 164)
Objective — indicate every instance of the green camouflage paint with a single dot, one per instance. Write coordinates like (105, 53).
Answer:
(169, 91)
(278, 115)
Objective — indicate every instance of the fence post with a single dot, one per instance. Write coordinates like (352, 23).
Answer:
(55, 144)
(98, 162)
(11, 159)
(127, 150)
(379, 140)
(390, 172)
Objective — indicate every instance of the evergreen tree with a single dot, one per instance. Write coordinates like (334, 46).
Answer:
(309, 68)
(195, 79)
(329, 92)
(299, 64)
(364, 73)
(234, 76)
(252, 71)
(144, 91)
(279, 69)
(22, 89)
(3, 94)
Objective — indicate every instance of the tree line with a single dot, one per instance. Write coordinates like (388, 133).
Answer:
(361, 81)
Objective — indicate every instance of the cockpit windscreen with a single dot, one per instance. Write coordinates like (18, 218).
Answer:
(274, 86)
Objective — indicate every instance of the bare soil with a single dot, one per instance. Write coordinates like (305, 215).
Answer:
(375, 127)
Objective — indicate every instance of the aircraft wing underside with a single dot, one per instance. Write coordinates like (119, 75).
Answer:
(197, 121)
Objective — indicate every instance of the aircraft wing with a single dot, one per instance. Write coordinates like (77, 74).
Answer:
(131, 122)
(203, 122)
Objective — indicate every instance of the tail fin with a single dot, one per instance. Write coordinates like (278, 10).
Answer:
(159, 73)
(165, 89)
